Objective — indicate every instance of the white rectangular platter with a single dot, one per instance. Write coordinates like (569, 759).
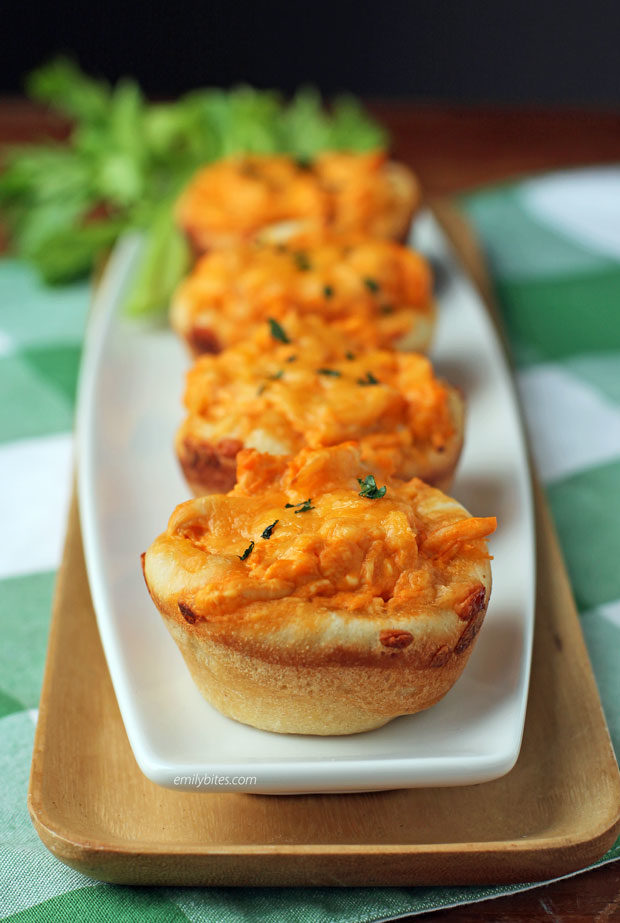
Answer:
(129, 406)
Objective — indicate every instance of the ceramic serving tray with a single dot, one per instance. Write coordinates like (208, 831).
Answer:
(129, 482)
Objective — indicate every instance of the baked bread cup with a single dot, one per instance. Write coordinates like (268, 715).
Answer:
(310, 600)
(275, 195)
(377, 292)
(312, 390)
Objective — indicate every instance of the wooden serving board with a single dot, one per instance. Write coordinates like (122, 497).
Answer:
(557, 811)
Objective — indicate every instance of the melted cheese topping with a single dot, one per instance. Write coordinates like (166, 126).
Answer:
(314, 391)
(240, 196)
(299, 528)
(375, 291)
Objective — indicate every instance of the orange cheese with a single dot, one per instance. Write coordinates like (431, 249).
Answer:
(375, 291)
(301, 529)
(314, 391)
(236, 198)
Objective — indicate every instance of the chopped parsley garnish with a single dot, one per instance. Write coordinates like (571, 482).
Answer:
(370, 489)
(276, 375)
(305, 505)
(333, 373)
(247, 552)
(372, 285)
(349, 355)
(277, 332)
(301, 258)
(304, 162)
(328, 291)
(387, 308)
(266, 533)
(292, 359)
(369, 380)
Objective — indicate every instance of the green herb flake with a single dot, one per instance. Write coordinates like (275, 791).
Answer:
(369, 380)
(332, 373)
(305, 506)
(304, 162)
(247, 552)
(328, 291)
(387, 309)
(266, 533)
(260, 390)
(276, 375)
(370, 489)
(349, 355)
(292, 359)
(277, 331)
(302, 261)
(372, 285)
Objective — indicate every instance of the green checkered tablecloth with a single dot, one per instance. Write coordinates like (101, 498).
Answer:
(553, 245)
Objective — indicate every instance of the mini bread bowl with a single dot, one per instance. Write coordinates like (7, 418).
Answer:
(376, 292)
(274, 196)
(310, 600)
(298, 384)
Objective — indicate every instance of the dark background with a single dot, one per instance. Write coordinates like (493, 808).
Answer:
(567, 51)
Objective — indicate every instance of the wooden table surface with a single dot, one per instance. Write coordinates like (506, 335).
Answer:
(453, 150)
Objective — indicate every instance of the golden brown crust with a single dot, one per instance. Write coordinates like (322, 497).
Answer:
(320, 699)
(406, 196)
(208, 468)
(202, 339)
(344, 613)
